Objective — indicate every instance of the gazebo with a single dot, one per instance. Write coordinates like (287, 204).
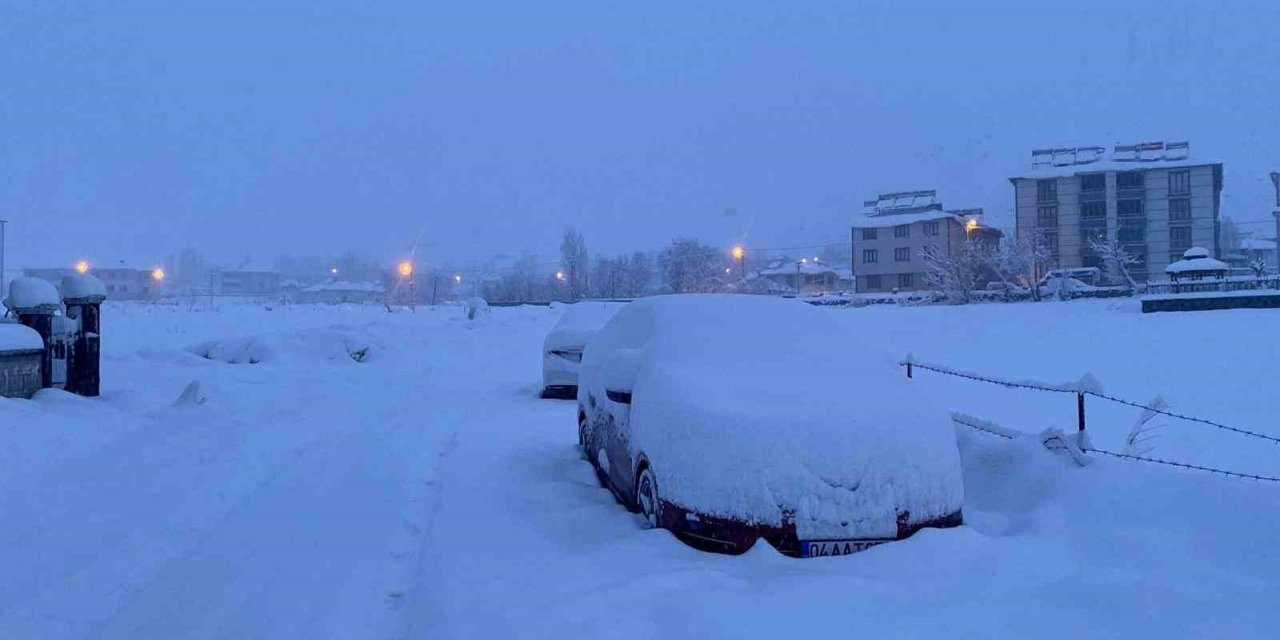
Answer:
(1197, 265)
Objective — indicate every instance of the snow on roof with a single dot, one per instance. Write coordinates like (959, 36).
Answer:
(808, 267)
(32, 293)
(743, 446)
(893, 220)
(1257, 244)
(83, 286)
(17, 337)
(1110, 165)
(343, 285)
(1197, 265)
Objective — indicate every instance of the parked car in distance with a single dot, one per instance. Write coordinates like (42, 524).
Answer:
(731, 418)
(1091, 276)
(562, 348)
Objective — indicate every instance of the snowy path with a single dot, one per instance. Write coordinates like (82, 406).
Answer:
(428, 493)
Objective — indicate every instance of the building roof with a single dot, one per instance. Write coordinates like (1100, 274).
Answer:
(1257, 244)
(788, 268)
(1110, 165)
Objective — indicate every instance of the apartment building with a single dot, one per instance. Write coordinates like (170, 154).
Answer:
(1153, 198)
(890, 237)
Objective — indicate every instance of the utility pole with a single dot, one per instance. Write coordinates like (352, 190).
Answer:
(1275, 180)
(2, 250)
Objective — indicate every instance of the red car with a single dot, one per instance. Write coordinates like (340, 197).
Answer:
(727, 419)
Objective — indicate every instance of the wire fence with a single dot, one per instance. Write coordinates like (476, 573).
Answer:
(1080, 390)
(991, 429)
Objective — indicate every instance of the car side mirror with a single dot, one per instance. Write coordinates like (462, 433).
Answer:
(619, 377)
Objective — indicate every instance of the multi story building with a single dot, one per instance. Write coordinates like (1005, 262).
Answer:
(239, 282)
(890, 237)
(1152, 198)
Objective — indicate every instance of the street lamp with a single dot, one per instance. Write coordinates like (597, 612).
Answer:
(334, 272)
(406, 271)
(560, 276)
(82, 267)
(157, 274)
(457, 279)
(739, 253)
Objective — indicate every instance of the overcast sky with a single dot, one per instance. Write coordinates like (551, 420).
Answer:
(132, 129)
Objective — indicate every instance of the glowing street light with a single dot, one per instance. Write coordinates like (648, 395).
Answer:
(82, 267)
(560, 276)
(971, 225)
(406, 268)
(739, 253)
(334, 271)
(157, 274)
(457, 279)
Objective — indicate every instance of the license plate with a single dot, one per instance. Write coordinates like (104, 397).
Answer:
(820, 548)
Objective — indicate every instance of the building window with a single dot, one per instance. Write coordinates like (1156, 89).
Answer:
(902, 231)
(1093, 182)
(1180, 209)
(1179, 239)
(870, 255)
(1047, 217)
(1129, 208)
(1047, 190)
(868, 234)
(904, 281)
(931, 228)
(1129, 180)
(1179, 182)
(1131, 234)
(1051, 242)
(902, 254)
(1093, 210)
(873, 282)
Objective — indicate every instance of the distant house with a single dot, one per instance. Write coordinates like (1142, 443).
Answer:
(1252, 250)
(236, 282)
(889, 240)
(807, 276)
(338, 292)
(122, 283)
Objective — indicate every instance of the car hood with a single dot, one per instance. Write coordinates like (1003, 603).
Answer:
(844, 444)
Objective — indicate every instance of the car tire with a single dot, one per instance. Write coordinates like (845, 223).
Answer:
(648, 502)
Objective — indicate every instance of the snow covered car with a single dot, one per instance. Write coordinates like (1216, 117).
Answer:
(731, 418)
(562, 348)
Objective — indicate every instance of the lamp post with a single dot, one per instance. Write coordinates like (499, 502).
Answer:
(406, 271)
(740, 254)
(2, 224)
(799, 285)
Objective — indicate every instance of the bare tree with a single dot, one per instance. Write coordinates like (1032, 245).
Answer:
(1022, 261)
(1259, 267)
(639, 274)
(574, 260)
(955, 273)
(1116, 259)
(691, 267)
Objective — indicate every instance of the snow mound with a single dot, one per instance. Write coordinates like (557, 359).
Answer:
(28, 293)
(17, 337)
(475, 308)
(749, 407)
(333, 344)
(82, 286)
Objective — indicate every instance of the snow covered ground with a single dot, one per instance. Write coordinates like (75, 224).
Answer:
(394, 475)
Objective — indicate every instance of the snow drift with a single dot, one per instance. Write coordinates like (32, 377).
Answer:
(331, 344)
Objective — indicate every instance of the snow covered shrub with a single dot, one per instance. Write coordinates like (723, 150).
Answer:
(475, 308)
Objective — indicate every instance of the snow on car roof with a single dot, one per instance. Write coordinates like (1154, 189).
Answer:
(579, 323)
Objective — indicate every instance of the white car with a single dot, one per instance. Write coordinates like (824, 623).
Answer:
(562, 348)
(729, 418)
